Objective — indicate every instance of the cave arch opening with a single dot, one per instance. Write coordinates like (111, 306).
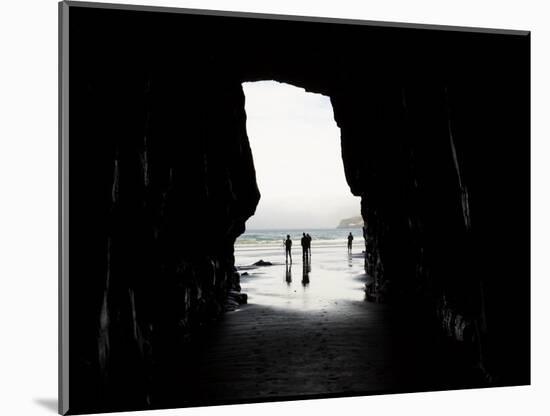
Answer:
(296, 149)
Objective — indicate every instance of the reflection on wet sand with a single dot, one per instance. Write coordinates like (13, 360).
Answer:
(288, 273)
(305, 273)
(333, 278)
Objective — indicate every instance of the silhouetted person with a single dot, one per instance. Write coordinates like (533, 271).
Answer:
(350, 241)
(304, 241)
(288, 248)
(308, 245)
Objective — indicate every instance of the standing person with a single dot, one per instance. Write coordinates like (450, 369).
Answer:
(288, 247)
(350, 240)
(304, 242)
(308, 245)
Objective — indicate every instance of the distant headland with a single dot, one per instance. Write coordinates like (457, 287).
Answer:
(353, 222)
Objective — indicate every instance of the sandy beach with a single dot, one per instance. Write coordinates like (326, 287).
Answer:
(330, 276)
(311, 332)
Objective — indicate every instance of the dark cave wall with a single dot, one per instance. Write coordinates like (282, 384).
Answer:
(162, 179)
(401, 158)
(165, 185)
(428, 140)
(429, 126)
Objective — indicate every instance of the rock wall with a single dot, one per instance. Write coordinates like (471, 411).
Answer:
(162, 185)
(162, 179)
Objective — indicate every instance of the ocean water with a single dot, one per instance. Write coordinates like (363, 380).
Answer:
(267, 245)
(325, 236)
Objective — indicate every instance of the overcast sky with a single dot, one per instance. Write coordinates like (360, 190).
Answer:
(296, 148)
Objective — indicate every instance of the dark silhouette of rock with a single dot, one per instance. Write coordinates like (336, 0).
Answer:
(240, 298)
(263, 263)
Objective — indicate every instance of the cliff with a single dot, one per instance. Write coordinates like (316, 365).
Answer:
(353, 222)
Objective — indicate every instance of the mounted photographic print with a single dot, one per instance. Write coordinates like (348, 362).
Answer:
(265, 208)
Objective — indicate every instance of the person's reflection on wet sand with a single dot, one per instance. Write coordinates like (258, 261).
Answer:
(350, 259)
(305, 274)
(288, 274)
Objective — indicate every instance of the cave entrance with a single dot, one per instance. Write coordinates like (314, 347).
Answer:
(295, 144)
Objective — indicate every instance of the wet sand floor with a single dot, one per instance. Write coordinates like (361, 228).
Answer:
(269, 352)
(316, 336)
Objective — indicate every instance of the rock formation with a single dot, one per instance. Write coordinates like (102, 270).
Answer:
(353, 222)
